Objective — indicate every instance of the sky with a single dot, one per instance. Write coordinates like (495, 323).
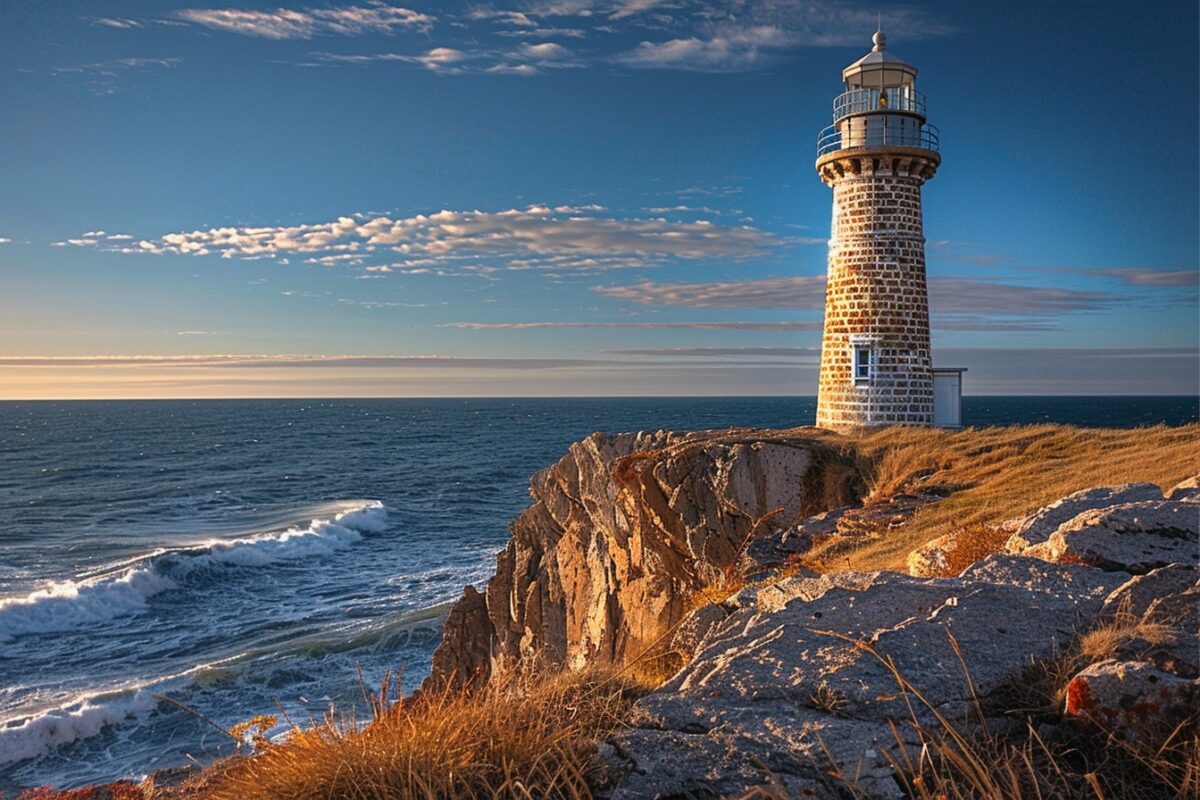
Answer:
(573, 197)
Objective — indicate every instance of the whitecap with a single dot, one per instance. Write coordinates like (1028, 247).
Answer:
(70, 605)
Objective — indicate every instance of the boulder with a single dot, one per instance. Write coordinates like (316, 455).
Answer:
(931, 560)
(1133, 537)
(1133, 699)
(1186, 491)
(1037, 527)
(625, 530)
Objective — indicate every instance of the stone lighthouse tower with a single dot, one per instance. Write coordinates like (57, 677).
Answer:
(875, 361)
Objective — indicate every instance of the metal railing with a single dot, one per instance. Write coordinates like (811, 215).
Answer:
(857, 101)
(900, 132)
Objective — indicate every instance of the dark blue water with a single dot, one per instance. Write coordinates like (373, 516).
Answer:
(230, 556)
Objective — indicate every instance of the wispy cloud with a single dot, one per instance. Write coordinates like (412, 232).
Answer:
(748, 35)
(120, 23)
(947, 295)
(527, 60)
(104, 77)
(1132, 276)
(201, 333)
(283, 23)
(796, 292)
(445, 60)
(695, 326)
(95, 239)
(695, 35)
(4, 240)
(714, 352)
(536, 237)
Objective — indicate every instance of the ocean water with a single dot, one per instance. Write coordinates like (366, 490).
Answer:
(171, 568)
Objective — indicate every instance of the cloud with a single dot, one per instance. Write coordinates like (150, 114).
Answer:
(752, 34)
(3, 240)
(984, 297)
(947, 295)
(629, 8)
(796, 292)
(711, 352)
(283, 23)
(537, 237)
(112, 68)
(1132, 276)
(201, 333)
(94, 239)
(116, 22)
(293, 361)
(104, 77)
(444, 60)
(527, 60)
(696, 326)
(735, 50)
(1076, 371)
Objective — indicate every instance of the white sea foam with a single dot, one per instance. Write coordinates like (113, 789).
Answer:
(79, 719)
(70, 605)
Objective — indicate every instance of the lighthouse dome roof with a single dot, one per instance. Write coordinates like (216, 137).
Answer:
(879, 68)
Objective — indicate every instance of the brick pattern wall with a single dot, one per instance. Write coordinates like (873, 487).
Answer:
(876, 295)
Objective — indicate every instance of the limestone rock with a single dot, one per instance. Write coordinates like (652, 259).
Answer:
(1037, 527)
(625, 529)
(1135, 537)
(788, 681)
(1186, 491)
(1138, 594)
(1134, 699)
(930, 559)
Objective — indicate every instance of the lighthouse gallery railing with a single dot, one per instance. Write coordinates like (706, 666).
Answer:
(900, 133)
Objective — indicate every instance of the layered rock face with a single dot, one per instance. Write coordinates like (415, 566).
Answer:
(622, 532)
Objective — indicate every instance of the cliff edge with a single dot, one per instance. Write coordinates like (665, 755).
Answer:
(622, 534)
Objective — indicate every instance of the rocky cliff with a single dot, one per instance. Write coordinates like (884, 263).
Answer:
(800, 676)
(622, 534)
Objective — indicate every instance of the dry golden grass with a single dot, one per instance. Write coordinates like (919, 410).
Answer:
(973, 760)
(1000, 473)
(527, 739)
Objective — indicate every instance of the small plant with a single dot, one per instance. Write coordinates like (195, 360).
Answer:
(826, 698)
(254, 731)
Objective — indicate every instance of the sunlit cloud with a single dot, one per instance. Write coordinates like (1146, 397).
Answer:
(536, 237)
(116, 22)
(283, 23)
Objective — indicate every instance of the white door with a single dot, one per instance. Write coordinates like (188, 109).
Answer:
(947, 399)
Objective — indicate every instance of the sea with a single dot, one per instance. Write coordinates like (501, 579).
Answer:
(171, 568)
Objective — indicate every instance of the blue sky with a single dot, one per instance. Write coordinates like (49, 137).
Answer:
(573, 196)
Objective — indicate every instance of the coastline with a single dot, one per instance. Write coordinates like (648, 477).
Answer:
(801, 545)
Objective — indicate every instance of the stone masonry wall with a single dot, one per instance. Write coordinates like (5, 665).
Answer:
(876, 294)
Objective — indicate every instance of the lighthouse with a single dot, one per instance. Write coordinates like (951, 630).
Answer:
(876, 156)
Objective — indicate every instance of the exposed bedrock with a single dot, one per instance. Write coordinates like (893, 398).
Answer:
(623, 531)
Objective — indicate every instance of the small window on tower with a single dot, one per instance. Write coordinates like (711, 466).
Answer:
(862, 364)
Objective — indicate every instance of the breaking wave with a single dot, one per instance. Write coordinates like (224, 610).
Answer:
(80, 719)
(69, 605)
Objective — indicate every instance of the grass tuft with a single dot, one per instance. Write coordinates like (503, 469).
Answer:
(522, 739)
